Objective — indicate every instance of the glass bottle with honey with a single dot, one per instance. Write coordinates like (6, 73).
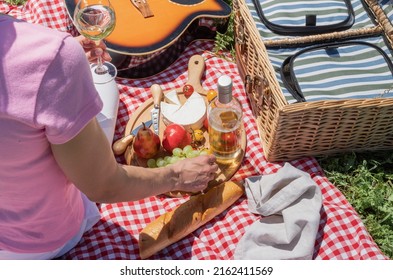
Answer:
(225, 119)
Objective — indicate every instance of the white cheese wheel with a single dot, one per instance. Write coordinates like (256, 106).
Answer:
(171, 97)
(190, 115)
(168, 109)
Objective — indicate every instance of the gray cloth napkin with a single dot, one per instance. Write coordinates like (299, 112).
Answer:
(289, 202)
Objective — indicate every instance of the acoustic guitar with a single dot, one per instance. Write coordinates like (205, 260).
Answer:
(147, 26)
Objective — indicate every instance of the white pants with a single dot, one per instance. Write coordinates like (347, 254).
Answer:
(92, 216)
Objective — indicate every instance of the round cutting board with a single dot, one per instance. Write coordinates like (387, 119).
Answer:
(226, 169)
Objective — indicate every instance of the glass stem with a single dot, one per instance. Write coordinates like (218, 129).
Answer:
(100, 69)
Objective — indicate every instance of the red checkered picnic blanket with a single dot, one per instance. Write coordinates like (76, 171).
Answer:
(341, 234)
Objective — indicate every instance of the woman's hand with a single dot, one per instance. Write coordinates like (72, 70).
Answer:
(194, 174)
(93, 51)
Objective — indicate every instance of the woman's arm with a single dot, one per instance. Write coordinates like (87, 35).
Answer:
(88, 161)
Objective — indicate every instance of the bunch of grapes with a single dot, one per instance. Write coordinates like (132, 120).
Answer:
(177, 154)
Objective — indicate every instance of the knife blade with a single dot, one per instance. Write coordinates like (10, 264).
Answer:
(121, 145)
(157, 93)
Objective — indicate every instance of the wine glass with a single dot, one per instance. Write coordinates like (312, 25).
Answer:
(95, 19)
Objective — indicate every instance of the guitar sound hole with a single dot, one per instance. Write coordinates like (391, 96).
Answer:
(187, 2)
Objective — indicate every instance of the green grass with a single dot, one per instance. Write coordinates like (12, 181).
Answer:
(226, 41)
(16, 2)
(366, 180)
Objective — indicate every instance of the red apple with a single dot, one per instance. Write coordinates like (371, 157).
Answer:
(175, 136)
(229, 138)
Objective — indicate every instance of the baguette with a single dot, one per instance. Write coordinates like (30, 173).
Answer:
(187, 217)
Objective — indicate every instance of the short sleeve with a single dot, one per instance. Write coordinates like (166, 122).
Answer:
(67, 98)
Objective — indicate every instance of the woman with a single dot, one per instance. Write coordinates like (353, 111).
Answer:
(55, 158)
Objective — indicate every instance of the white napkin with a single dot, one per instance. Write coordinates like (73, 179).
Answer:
(289, 202)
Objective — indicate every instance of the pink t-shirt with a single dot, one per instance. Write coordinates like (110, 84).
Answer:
(46, 96)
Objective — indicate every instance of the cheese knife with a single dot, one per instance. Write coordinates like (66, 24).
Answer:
(157, 93)
(121, 145)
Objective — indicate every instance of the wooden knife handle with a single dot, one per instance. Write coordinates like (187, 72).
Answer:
(121, 145)
(157, 94)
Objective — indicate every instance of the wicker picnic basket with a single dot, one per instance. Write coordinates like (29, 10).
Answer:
(291, 131)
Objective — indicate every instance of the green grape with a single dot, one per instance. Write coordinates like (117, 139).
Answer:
(174, 159)
(151, 163)
(177, 152)
(192, 153)
(187, 149)
(177, 155)
(160, 162)
(167, 159)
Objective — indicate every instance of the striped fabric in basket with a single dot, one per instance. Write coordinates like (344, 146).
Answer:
(354, 74)
(294, 12)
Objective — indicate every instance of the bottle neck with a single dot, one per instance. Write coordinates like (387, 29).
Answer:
(225, 97)
(224, 87)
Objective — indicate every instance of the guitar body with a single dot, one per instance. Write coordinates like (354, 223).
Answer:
(142, 66)
(136, 34)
